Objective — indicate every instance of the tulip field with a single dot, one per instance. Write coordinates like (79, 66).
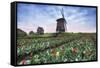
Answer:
(63, 48)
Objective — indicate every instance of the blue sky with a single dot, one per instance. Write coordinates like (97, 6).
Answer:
(79, 19)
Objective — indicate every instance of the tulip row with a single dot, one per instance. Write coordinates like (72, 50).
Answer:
(71, 48)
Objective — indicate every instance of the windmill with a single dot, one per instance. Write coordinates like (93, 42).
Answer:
(61, 23)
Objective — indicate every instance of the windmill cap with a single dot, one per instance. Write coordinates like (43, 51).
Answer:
(60, 19)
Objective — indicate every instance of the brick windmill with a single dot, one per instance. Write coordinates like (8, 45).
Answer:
(61, 23)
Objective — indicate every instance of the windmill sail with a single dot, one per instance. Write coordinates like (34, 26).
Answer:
(65, 22)
(62, 12)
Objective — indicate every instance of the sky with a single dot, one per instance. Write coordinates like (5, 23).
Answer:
(32, 16)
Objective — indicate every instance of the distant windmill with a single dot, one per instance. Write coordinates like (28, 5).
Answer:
(61, 23)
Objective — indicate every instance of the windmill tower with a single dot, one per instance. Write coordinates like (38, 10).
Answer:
(61, 23)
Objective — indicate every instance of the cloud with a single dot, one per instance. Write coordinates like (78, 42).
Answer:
(79, 19)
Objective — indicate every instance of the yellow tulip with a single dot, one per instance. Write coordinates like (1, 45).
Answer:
(57, 53)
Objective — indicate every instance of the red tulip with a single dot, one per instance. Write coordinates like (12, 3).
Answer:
(74, 50)
(53, 53)
(31, 55)
(23, 61)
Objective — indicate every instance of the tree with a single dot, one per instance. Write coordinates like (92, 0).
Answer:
(31, 33)
(40, 30)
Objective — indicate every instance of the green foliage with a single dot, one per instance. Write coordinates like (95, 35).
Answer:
(69, 48)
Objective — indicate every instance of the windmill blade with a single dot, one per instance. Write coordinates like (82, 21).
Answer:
(65, 22)
(65, 25)
(63, 13)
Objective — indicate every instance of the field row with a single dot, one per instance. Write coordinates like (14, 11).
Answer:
(60, 49)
